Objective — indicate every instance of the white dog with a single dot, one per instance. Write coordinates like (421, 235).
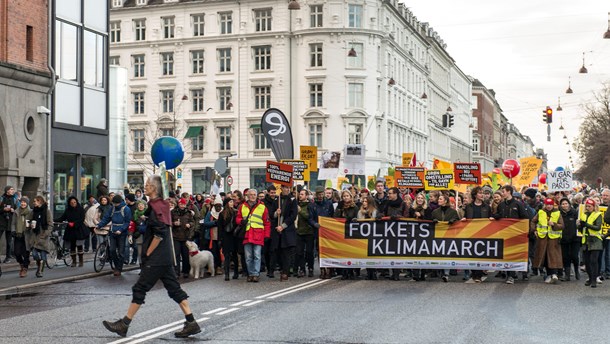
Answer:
(199, 260)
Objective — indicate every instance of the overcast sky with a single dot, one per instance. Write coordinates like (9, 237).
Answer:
(525, 51)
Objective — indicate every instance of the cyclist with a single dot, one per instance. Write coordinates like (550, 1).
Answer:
(120, 215)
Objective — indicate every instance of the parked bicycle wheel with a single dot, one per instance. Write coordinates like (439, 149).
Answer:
(101, 255)
(52, 255)
(67, 257)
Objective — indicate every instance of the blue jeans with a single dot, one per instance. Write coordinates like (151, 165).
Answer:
(117, 249)
(39, 254)
(253, 258)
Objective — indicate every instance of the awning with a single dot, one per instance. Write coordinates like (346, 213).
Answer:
(255, 126)
(193, 132)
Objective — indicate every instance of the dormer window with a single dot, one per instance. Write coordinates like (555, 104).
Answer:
(117, 3)
(141, 2)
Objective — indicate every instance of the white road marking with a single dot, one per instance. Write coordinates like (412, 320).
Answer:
(138, 335)
(253, 303)
(227, 311)
(163, 332)
(240, 303)
(286, 289)
(214, 311)
(299, 289)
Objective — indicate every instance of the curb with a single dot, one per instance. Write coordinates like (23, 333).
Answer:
(22, 288)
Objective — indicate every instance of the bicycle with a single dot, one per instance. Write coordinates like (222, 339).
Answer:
(102, 255)
(57, 251)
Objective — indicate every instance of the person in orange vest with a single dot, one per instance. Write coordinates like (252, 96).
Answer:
(547, 226)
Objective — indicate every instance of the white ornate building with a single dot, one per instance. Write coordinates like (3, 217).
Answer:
(342, 71)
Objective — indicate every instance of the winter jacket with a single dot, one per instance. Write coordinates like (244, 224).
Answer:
(290, 211)
(425, 214)
(303, 225)
(6, 217)
(119, 216)
(347, 213)
(485, 211)
(20, 227)
(569, 227)
(364, 215)
(44, 225)
(210, 226)
(254, 236)
(396, 208)
(75, 216)
(271, 204)
(445, 213)
(512, 209)
(91, 214)
(155, 227)
(320, 208)
(102, 190)
(181, 232)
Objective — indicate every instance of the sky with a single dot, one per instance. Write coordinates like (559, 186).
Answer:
(526, 51)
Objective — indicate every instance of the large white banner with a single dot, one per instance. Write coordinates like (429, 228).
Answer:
(559, 180)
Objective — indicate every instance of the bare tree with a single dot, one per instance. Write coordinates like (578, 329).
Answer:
(593, 143)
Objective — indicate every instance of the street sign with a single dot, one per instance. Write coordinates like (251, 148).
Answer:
(230, 180)
(220, 165)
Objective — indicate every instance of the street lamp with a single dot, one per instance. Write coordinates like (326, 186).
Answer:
(294, 5)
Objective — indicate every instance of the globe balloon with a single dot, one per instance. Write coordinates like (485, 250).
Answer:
(169, 150)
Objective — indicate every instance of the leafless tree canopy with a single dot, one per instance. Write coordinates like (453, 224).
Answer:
(593, 144)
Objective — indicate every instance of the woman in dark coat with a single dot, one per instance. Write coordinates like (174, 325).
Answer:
(349, 212)
(445, 213)
(570, 241)
(287, 232)
(76, 232)
(41, 230)
(228, 242)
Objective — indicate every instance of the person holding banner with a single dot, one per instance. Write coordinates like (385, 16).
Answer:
(445, 213)
(253, 216)
(395, 208)
(305, 237)
(349, 212)
(420, 211)
(368, 211)
(547, 225)
(477, 209)
(590, 225)
(570, 240)
(321, 206)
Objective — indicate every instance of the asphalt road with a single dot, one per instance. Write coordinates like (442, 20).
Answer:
(309, 310)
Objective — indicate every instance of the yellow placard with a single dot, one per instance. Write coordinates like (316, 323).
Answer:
(529, 170)
(310, 154)
(407, 158)
(300, 169)
(439, 179)
(441, 164)
(389, 181)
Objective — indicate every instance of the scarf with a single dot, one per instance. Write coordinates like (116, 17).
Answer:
(161, 209)
(397, 203)
(22, 213)
(39, 214)
(215, 214)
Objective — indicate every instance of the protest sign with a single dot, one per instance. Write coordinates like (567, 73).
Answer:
(529, 170)
(407, 159)
(441, 164)
(409, 177)
(559, 180)
(478, 244)
(441, 179)
(467, 173)
(354, 159)
(310, 154)
(329, 166)
(279, 173)
(300, 169)
(390, 182)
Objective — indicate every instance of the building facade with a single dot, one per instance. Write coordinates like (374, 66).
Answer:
(343, 72)
(25, 81)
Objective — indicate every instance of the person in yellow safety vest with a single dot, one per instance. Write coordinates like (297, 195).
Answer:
(253, 218)
(547, 226)
(590, 225)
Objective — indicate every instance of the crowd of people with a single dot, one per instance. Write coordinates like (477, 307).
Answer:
(268, 231)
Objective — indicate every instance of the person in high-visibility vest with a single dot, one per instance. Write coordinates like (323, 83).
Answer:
(590, 225)
(547, 226)
(253, 217)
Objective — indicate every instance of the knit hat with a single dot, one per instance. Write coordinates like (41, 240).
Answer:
(208, 201)
(217, 201)
(517, 195)
(226, 201)
(365, 190)
(183, 201)
(319, 189)
(487, 189)
(24, 199)
(130, 197)
(549, 201)
(531, 193)
(117, 199)
(590, 201)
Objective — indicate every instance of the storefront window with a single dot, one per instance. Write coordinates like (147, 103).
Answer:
(91, 173)
(64, 182)
(201, 183)
(257, 179)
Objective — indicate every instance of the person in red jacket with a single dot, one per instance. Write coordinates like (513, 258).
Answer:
(253, 217)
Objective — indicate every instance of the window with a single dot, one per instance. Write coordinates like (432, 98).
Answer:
(260, 142)
(315, 135)
(224, 60)
(315, 16)
(262, 20)
(167, 132)
(475, 144)
(262, 58)
(168, 27)
(29, 43)
(355, 61)
(356, 92)
(355, 15)
(198, 24)
(224, 98)
(197, 61)
(197, 97)
(167, 100)
(197, 141)
(355, 134)
(226, 22)
(315, 53)
(262, 97)
(115, 32)
(225, 138)
(141, 2)
(138, 103)
(93, 59)
(315, 95)
(66, 51)
(138, 140)
(167, 63)
(114, 60)
(117, 3)
(138, 66)
(140, 29)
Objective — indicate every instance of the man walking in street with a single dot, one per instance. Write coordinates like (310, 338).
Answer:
(157, 264)
(321, 206)
(254, 218)
(8, 205)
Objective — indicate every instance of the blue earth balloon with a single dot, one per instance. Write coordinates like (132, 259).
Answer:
(558, 169)
(169, 150)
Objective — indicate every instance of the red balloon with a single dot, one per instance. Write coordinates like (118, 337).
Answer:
(542, 178)
(511, 168)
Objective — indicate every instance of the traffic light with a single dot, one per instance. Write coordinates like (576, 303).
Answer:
(446, 120)
(450, 120)
(549, 115)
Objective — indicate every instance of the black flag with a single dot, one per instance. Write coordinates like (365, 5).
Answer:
(276, 128)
